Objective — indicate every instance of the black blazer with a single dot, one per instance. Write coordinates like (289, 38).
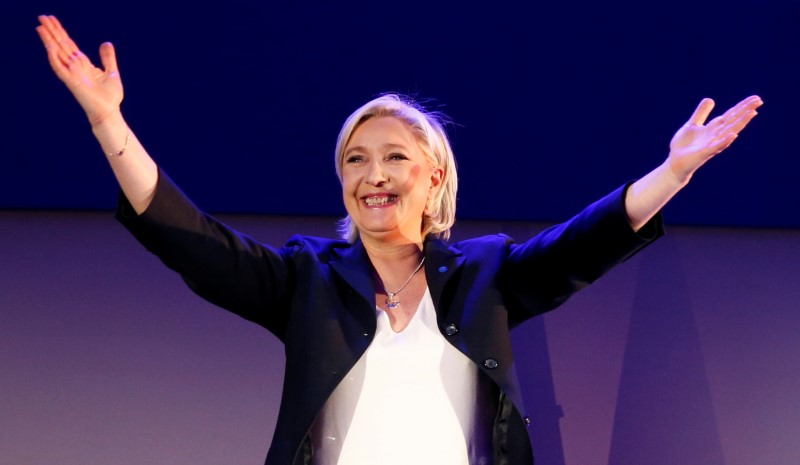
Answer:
(318, 297)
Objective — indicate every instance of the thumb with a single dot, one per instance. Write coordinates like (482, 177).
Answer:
(108, 57)
(702, 111)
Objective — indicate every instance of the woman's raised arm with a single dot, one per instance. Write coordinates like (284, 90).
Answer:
(694, 144)
(99, 92)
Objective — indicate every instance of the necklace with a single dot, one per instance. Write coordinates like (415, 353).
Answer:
(392, 302)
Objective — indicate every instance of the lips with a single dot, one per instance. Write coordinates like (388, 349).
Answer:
(379, 200)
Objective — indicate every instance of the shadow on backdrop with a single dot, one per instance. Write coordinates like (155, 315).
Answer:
(665, 413)
(536, 377)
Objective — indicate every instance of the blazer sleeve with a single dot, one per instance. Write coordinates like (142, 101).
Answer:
(221, 265)
(542, 273)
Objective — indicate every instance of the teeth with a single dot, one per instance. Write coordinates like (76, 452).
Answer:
(374, 201)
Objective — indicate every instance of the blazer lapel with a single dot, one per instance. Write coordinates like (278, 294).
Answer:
(355, 268)
(441, 263)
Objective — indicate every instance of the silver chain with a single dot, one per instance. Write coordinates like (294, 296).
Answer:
(391, 300)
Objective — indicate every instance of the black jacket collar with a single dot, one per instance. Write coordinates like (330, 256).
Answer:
(441, 263)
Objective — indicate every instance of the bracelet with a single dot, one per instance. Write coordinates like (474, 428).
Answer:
(124, 147)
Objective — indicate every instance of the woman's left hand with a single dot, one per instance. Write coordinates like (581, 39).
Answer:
(697, 142)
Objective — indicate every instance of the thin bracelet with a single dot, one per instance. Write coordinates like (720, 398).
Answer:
(125, 147)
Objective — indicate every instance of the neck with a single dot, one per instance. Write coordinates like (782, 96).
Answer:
(393, 262)
(397, 252)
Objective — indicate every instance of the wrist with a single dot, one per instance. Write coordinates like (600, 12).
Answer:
(110, 126)
(673, 175)
(102, 123)
(113, 134)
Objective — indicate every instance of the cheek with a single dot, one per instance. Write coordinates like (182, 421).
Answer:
(412, 177)
(348, 183)
(348, 192)
(349, 200)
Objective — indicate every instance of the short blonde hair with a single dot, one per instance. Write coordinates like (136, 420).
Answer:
(429, 129)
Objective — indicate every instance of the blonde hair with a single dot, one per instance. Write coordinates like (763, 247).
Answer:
(429, 129)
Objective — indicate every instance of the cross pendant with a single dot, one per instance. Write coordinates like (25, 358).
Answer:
(392, 301)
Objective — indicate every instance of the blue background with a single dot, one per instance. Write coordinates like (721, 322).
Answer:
(554, 104)
(684, 354)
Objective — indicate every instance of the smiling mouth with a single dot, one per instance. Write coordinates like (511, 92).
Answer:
(380, 200)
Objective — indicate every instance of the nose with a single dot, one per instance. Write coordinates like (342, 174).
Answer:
(375, 176)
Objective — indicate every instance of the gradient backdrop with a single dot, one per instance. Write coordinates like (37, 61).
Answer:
(686, 354)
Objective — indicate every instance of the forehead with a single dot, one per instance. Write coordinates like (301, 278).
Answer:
(383, 130)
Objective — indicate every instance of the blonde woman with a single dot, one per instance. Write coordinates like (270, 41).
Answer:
(397, 343)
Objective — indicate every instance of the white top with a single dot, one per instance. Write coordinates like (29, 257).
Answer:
(412, 398)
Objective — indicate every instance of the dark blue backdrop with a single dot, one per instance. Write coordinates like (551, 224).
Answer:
(554, 103)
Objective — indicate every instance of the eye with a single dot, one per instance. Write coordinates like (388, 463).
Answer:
(397, 156)
(354, 159)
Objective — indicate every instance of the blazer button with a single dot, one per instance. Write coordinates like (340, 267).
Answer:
(527, 420)
(451, 329)
(490, 363)
(442, 269)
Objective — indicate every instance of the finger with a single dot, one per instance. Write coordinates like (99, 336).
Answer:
(68, 46)
(59, 39)
(58, 29)
(718, 145)
(716, 123)
(740, 123)
(69, 69)
(754, 100)
(731, 120)
(733, 117)
(724, 143)
(746, 105)
(58, 61)
(44, 35)
(702, 111)
(108, 56)
(48, 39)
(53, 28)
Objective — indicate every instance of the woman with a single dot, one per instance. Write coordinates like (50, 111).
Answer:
(397, 344)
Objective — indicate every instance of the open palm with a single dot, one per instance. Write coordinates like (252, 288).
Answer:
(98, 91)
(697, 142)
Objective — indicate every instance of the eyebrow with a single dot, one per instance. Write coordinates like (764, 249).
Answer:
(361, 148)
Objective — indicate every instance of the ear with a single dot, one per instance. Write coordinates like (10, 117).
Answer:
(437, 175)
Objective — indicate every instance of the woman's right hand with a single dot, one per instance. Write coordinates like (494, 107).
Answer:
(98, 91)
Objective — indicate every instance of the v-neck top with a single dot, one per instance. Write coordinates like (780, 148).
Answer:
(412, 398)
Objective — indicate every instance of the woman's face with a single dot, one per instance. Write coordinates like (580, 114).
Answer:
(387, 180)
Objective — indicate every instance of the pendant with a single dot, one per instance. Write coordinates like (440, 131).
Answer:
(391, 301)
